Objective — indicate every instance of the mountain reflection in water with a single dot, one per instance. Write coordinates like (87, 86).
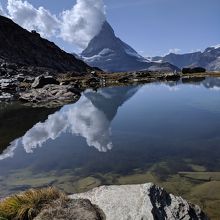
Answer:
(90, 118)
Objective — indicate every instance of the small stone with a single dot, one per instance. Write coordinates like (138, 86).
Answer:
(41, 81)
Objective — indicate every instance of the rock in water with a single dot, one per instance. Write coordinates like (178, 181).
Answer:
(136, 202)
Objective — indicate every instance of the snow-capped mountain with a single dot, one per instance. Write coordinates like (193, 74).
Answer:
(109, 53)
(209, 59)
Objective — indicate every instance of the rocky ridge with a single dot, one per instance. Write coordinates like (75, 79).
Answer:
(208, 59)
(25, 48)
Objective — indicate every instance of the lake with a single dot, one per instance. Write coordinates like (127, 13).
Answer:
(166, 132)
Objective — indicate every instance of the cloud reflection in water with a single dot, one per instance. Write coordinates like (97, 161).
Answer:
(82, 119)
(90, 118)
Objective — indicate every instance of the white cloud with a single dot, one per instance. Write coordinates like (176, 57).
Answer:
(195, 50)
(9, 152)
(77, 25)
(85, 118)
(83, 21)
(216, 46)
(215, 88)
(41, 132)
(39, 19)
(175, 50)
(82, 119)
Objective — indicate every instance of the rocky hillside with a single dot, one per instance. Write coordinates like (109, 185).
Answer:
(136, 202)
(111, 54)
(20, 46)
(209, 59)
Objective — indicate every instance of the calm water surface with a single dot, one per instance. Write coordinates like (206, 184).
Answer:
(111, 136)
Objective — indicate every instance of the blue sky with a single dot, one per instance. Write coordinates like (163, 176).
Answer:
(153, 27)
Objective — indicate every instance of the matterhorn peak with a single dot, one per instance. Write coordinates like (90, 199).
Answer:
(111, 54)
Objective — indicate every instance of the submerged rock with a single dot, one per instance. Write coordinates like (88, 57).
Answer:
(138, 202)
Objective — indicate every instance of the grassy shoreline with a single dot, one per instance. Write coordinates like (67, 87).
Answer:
(126, 78)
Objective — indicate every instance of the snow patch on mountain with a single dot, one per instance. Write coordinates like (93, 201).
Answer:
(216, 46)
(111, 54)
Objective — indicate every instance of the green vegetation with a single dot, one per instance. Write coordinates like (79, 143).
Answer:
(28, 204)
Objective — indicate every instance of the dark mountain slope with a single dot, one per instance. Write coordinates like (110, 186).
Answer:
(21, 46)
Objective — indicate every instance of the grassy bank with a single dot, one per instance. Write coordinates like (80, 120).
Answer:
(27, 205)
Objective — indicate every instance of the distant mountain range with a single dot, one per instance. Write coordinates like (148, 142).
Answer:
(20, 46)
(209, 59)
(109, 53)
(105, 51)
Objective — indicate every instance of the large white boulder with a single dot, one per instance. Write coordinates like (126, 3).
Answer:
(140, 202)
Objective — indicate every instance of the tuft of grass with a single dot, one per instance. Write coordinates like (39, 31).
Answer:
(27, 205)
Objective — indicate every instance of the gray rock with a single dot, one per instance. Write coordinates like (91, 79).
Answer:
(94, 74)
(20, 77)
(41, 81)
(172, 77)
(141, 202)
(124, 79)
(29, 80)
(6, 97)
(70, 210)
(50, 96)
(92, 81)
(141, 74)
(8, 85)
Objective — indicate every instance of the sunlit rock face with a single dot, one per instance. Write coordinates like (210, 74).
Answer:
(89, 118)
(136, 202)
